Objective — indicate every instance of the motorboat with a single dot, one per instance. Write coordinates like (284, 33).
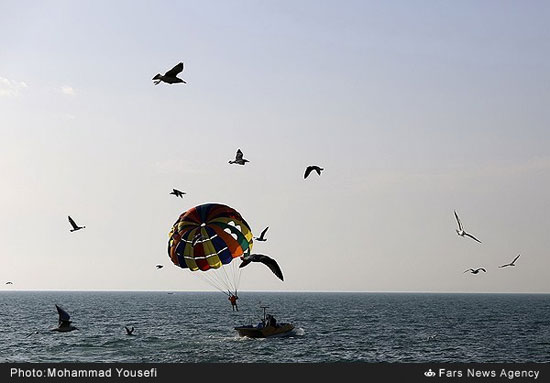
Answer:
(268, 327)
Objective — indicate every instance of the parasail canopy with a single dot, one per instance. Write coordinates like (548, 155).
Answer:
(207, 238)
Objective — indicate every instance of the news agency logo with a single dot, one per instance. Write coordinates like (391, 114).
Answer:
(429, 373)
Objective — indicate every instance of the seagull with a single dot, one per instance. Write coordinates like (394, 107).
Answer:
(511, 263)
(9, 283)
(159, 266)
(74, 225)
(431, 337)
(269, 262)
(476, 270)
(177, 193)
(309, 169)
(129, 331)
(262, 238)
(64, 322)
(170, 77)
(239, 160)
(460, 231)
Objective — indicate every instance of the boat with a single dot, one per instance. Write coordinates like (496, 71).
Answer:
(268, 327)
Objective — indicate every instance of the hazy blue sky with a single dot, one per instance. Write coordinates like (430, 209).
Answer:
(414, 109)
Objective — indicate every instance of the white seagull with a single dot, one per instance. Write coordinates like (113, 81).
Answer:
(460, 231)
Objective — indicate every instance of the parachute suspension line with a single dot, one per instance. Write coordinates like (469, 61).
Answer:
(211, 281)
(219, 275)
(236, 275)
(221, 278)
(227, 279)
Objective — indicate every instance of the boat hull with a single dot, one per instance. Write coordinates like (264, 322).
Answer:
(265, 332)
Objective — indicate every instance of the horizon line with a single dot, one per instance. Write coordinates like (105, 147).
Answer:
(288, 291)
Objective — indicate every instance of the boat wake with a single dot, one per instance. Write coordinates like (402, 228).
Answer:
(298, 332)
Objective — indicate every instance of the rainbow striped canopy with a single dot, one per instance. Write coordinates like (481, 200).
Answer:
(208, 236)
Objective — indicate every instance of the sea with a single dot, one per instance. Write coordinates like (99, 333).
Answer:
(198, 327)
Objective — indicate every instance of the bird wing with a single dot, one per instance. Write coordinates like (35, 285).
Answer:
(458, 221)
(515, 259)
(63, 315)
(174, 71)
(263, 232)
(73, 223)
(506, 265)
(269, 262)
(468, 270)
(244, 262)
(308, 170)
(482, 269)
(239, 155)
(471, 236)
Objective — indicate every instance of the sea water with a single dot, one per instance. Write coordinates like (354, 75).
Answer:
(330, 327)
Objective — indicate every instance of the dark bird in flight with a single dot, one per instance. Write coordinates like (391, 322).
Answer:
(511, 263)
(262, 237)
(159, 266)
(129, 331)
(269, 262)
(64, 321)
(476, 270)
(9, 283)
(311, 168)
(460, 231)
(177, 193)
(170, 77)
(74, 225)
(239, 160)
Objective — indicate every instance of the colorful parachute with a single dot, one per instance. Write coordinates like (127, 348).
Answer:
(207, 238)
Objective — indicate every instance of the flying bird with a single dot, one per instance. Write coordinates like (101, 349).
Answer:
(239, 160)
(64, 321)
(9, 283)
(159, 266)
(460, 231)
(511, 263)
(177, 193)
(311, 168)
(74, 225)
(262, 237)
(170, 77)
(129, 331)
(476, 270)
(268, 261)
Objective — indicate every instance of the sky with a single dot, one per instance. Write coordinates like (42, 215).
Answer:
(413, 108)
